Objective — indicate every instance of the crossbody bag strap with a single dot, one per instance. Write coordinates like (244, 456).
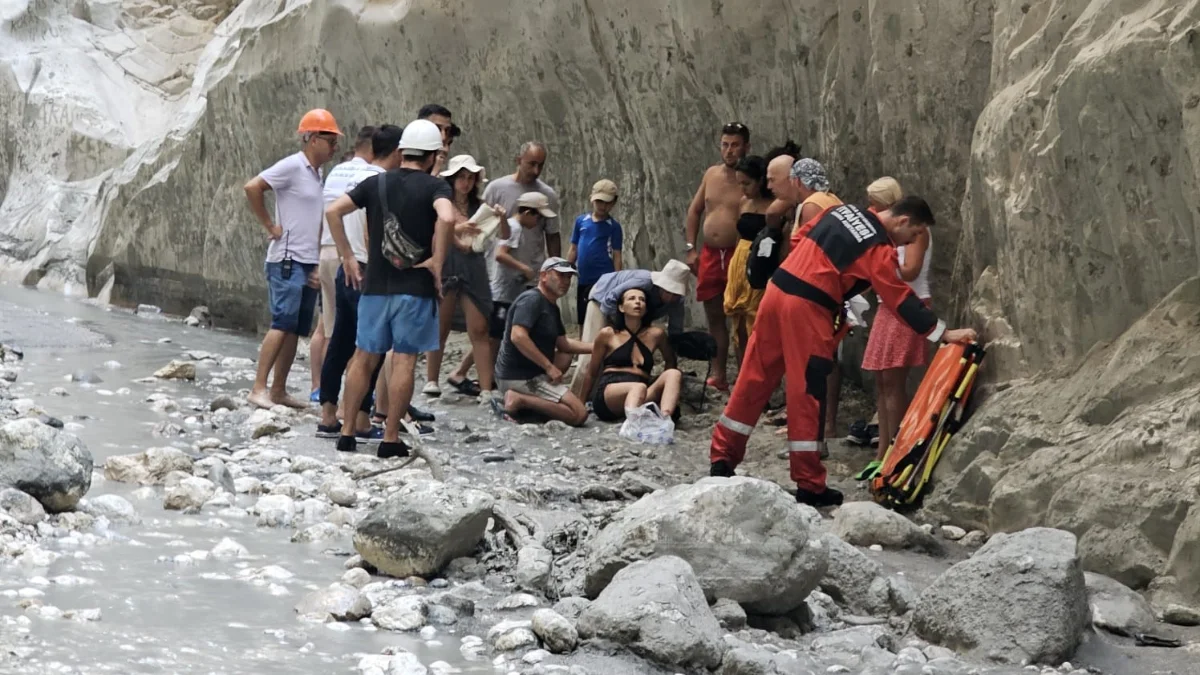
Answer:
(383, 203)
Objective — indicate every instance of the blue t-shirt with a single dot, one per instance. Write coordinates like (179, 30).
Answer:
(593, 240)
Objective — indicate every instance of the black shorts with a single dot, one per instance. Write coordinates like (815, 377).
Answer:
(599, 406)
(497, 320)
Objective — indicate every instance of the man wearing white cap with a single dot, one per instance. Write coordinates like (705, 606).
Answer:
(410, 226)
(664, 298)
(536, 351)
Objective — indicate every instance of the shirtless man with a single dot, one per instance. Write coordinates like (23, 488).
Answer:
(719, 199)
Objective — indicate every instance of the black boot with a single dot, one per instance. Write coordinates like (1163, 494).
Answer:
(829, 497)
(722, 469)
(419, 415)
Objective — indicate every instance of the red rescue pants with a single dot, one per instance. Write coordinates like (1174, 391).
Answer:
(792, 336)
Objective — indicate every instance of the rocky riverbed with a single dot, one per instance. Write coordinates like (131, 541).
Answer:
(156, 524)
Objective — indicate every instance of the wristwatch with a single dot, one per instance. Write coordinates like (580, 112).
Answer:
(690, 246)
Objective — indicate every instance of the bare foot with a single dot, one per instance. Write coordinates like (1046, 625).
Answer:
(510, 402)
(260, 399)
(288, 401)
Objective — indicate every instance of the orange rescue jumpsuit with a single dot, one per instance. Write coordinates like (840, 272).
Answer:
(838, 255)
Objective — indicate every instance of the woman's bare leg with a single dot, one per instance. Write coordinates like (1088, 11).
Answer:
(893, 400)
(481, 348)
(665, 390)
(621, 395)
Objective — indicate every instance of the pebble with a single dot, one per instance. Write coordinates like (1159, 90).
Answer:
(953, 533)
(356, 578)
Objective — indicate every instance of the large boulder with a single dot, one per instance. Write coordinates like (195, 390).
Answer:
(337, 601)
(21, 506)
(425, 525)
(853, 579)
(745, 539)
(869, 524)
(149, 467)
(50, 465)
(1116, 607)
(1020, 599)
(657, 609)
(555, 631)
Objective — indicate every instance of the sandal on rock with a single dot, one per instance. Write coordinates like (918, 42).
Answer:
(466, 387)
(870, 471)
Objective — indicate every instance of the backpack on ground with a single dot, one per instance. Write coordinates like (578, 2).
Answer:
(935, 414)
(697, 346)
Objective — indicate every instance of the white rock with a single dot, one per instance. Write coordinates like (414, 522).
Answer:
(356, 578)
(189, 495)
(177, 370)
(275, 510)
(407, 613)
(114, 507)
(953, 533)
(228, 548)
(508, 636)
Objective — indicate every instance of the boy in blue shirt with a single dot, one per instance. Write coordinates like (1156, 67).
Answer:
(592, 238)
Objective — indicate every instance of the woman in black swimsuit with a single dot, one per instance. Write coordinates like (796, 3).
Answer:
(622, 359)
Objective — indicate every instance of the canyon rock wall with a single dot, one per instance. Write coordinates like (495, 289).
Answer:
(631, 91)
(1054, 138)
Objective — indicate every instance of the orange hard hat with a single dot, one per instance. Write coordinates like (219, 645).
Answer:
(319, 120)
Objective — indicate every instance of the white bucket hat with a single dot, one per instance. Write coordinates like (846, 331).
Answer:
(458, 163)
(673, 277)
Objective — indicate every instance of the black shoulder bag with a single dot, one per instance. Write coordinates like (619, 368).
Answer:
(764, 257)
(397, 247)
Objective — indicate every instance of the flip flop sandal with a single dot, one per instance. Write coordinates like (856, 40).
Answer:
(870, 471)
(498, 410)
(1149, 640)
(712, 382)
(329, 430)
(466, 387)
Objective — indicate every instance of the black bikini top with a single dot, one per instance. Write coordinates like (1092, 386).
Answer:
(622, 357)
(750, 224)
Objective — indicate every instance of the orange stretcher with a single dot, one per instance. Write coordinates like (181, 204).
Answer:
(934, 415)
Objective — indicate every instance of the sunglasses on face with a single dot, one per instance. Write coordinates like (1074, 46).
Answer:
(451, 129)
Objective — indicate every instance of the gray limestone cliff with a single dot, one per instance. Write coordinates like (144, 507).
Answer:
(1054, 139)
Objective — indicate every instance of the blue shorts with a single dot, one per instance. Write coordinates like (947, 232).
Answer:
(293, 301)
(405, 324)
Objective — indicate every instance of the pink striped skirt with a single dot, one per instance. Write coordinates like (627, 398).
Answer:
(892, 344)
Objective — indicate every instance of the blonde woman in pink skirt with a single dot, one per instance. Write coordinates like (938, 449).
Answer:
(892, 347)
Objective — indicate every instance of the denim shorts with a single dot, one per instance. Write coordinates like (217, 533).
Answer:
(293, 302)
(405, 324)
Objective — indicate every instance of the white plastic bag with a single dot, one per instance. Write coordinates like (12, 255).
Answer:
(647, 424)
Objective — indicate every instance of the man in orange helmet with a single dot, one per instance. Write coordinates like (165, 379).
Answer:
(292, 257)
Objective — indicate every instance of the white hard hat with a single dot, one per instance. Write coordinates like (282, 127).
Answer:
(421, 136)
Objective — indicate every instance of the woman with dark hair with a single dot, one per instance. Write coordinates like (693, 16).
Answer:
(741, 300)
(465, 282)
(622, 359)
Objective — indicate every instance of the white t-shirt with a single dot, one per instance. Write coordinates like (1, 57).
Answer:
(508, 283)
(299, 209)
(920, 285)
(343, 178)
(505, 191)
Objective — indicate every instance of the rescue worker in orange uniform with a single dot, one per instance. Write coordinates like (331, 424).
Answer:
(800, 322)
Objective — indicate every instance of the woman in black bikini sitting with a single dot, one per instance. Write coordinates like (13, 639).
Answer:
(622, 358)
